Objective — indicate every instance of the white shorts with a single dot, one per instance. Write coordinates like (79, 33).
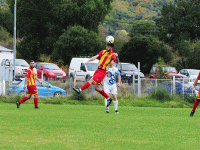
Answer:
(110, 89)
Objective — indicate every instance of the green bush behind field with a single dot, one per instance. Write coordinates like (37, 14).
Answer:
(160, 99)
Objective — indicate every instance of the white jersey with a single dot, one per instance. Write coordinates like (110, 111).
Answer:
(111, 75)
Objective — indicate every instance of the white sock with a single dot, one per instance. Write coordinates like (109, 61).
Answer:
(80, 89)
(115, 104)
(106, 103)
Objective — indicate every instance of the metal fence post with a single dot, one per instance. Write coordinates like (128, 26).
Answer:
(48, 87)
(42, 75)
(139, 86)
(174, 90)
(74, 78)
(171, 87)
(156, 85)
(183, 89)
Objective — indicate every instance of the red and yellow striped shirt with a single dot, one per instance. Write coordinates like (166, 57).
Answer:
(30, 74)
(105, 59)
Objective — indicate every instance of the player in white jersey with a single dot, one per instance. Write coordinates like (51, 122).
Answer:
(110, 85)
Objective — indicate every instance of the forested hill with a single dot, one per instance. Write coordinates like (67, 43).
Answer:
(125, 12)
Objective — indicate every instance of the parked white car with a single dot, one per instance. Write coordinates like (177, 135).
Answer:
(190, 74)
(83, 72)
(21, 67)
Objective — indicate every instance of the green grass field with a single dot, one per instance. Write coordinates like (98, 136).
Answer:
(89, 127)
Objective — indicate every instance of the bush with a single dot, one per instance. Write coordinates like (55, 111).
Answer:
(162, 95)
(79, 97)
(190, 98)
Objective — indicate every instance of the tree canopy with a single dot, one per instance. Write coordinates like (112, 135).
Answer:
(41, 23)
(77, 41)
(180, 21)
(146, 50)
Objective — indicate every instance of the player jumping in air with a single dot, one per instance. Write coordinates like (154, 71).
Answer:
(105, 59)
(110, 85)
(32, 89)
(196, 103)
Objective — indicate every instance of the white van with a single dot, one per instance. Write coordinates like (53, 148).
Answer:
(21, 66)
(83, 73)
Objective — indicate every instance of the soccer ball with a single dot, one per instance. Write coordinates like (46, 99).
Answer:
(110, 39)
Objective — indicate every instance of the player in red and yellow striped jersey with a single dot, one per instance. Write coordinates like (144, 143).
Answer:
(30, 84)
(105, 59)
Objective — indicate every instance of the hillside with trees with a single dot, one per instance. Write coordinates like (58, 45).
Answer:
(148, 29)
(126, 12)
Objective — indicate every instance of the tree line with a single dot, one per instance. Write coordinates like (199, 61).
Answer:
(63, 29)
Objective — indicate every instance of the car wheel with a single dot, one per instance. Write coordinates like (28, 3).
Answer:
(71, 78)
(22, 93)
(45, 77)
(87, 78)
(57, 94)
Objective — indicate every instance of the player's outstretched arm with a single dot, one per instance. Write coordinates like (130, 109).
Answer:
(91, 59)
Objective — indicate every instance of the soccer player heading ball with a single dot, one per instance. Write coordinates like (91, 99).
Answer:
(32, 89)
(105, 58)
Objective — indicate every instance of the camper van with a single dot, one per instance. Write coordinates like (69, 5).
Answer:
(83, 72)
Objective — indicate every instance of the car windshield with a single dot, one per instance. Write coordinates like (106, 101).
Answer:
(92, 66)
(169, 69)
(16, 82)
(51, 66)
(19, 62)
(43, 83)
(129, 67)
(193, 72)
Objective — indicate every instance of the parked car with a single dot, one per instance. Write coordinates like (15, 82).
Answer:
(21, 67)
(83, 72)
(127, 70)
(190, 74)
(168, 85)
(44, 90)
(170, 72)
(50, 71)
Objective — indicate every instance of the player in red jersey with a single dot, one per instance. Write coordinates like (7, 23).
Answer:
(30, 84)
(196, 103)
(105, 59)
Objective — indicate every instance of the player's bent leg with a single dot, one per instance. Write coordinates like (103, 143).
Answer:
(85, 86)
(103, 93)
(23, 100)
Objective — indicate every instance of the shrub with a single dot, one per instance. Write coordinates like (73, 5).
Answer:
(79, 97)
(190, 98)
(161, 95)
